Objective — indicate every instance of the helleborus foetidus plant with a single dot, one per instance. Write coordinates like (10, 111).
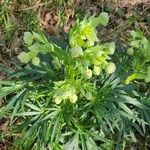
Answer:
(70, 98)
(140, 53)
(86, 57)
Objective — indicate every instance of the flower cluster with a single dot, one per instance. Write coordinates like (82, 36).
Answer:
(86, 49)
(139, 50)
(63, 94)
(65, 90)
(84, 33)
(36, 44)
(87, 57)
(96, 56)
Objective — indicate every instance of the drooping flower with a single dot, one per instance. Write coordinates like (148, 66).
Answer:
(57, 99)
(76, 52)
(130, 51)
(88, 96)
(88, 73)
(110, 68)
(73, 98)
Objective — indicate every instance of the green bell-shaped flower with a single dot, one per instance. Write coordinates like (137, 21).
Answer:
(88, 73)
(76, 52)
(110, 68)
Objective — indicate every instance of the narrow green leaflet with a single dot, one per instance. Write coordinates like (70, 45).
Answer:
(31, 113)
(6, 90)
(10, 105)
(39, 38)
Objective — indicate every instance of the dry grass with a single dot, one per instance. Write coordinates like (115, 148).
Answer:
(129, 3)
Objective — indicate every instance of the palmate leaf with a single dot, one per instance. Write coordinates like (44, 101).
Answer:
(19, 105)
(8, 89)
(28, 136)
(10, 105)
(52, 113)
(55, 135)
(91, 143)
(4, 91)
(130, 100)
(22, 127)
(110, 119)
(116, 106)
(73, 143)
(46, 127)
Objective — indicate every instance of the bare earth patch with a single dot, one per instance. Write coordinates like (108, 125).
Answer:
(128, 3)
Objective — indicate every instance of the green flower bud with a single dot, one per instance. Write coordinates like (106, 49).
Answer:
(88, 96)
(88, 73)
(76, 52)
(73, 98)
(110, 68)
(97, 70)
(57, 99)
(130, 51)
(24, 57)
(36, 61)
(135, 44)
